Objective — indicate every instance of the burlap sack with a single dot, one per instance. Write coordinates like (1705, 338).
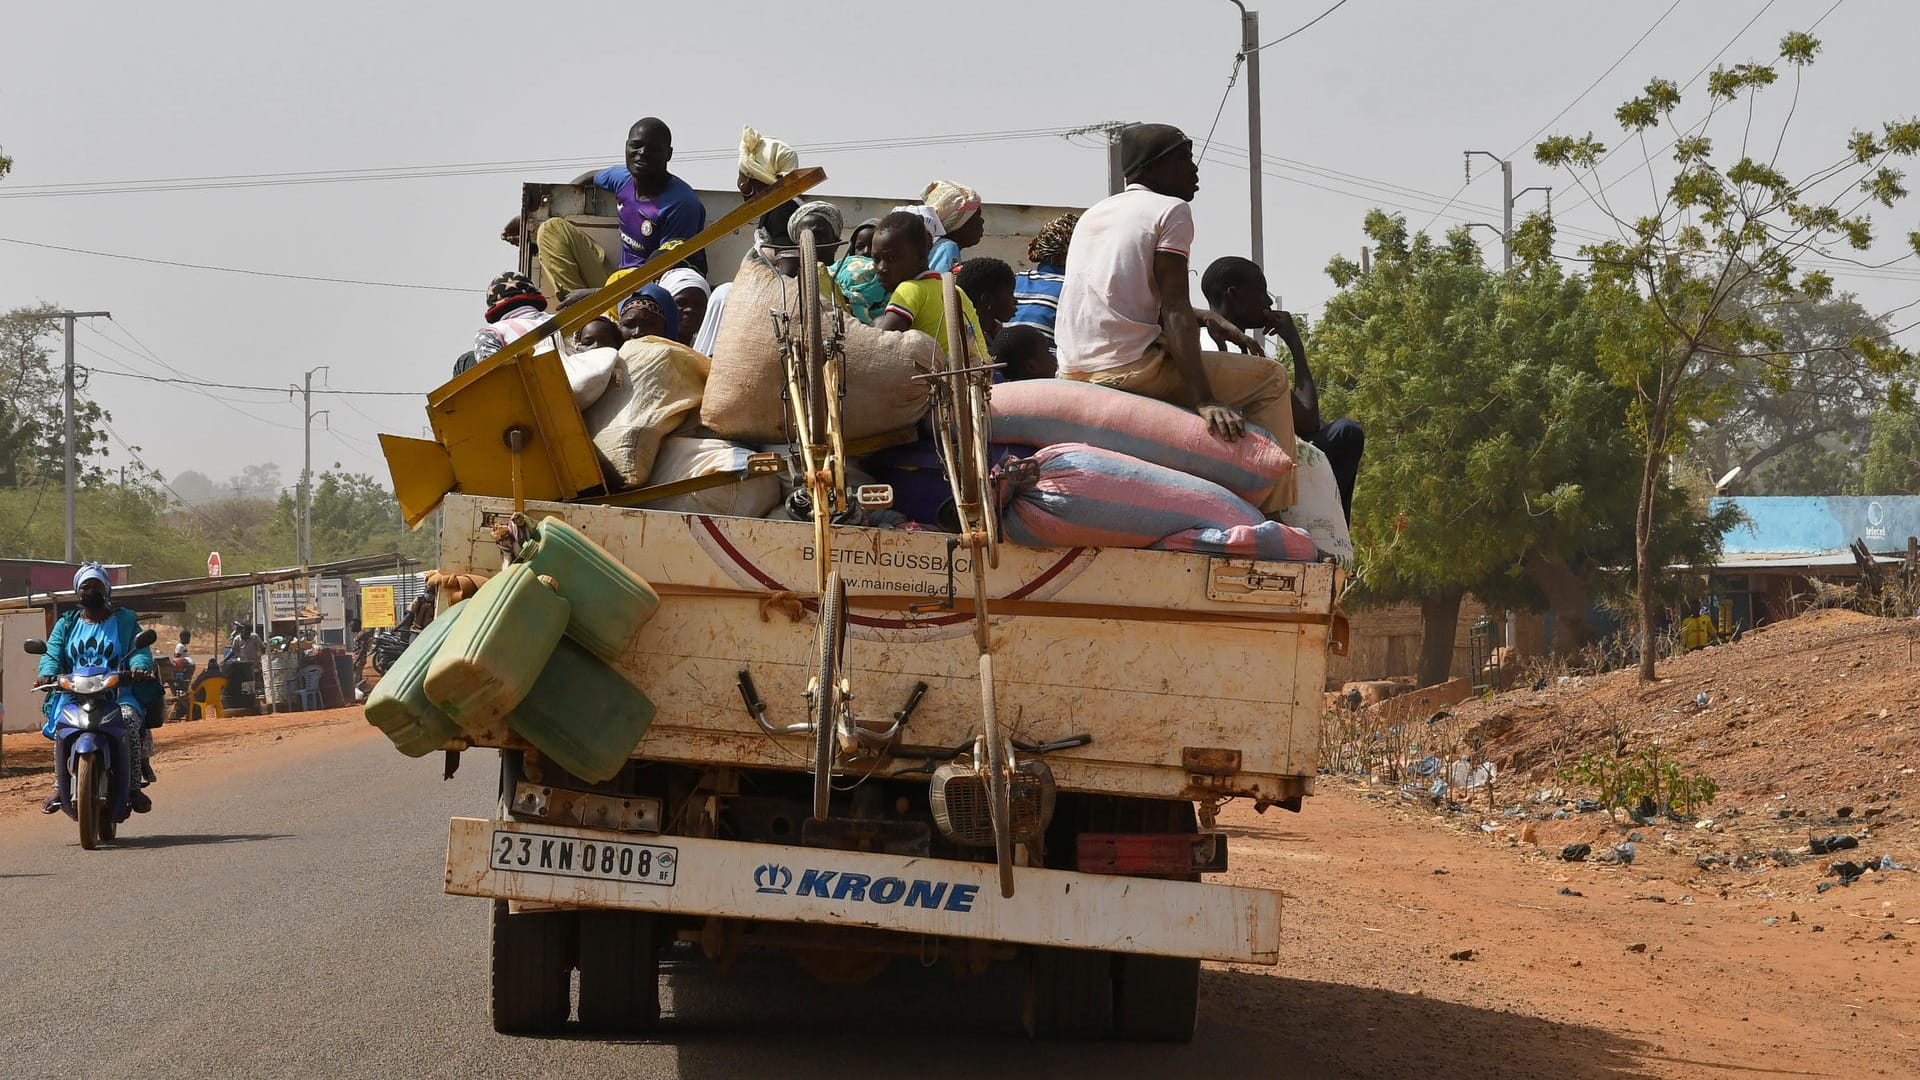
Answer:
(743, 400)
(662, 382)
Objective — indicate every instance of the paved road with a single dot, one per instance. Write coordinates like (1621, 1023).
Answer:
(280, 915)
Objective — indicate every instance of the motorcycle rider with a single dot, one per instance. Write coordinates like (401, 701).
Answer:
(97, 634)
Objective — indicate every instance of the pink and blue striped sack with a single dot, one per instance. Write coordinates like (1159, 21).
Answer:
(1044, 412)
(1088, 497)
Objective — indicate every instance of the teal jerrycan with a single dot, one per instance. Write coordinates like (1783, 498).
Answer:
(399, 705)
(610, 602)
(582, 715)
(495, 650)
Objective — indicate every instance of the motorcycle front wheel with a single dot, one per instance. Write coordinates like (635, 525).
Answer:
(86, 798)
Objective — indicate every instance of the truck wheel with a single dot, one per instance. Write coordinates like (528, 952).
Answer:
(619, 972)
(529, 986)
(1155, 998)
(1069, 993)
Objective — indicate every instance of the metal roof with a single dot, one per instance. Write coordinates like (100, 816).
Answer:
(180, 588)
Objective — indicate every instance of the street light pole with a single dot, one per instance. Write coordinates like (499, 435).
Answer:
(67, 389)
(1250, 51)
(1506, 204)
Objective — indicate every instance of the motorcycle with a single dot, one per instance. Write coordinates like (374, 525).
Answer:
(387, 647)
(90, 742)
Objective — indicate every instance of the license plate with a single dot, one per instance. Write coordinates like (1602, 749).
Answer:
(525, 852)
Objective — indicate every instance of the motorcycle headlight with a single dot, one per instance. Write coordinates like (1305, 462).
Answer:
(90, 684)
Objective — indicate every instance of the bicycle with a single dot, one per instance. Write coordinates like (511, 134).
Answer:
(962, 423)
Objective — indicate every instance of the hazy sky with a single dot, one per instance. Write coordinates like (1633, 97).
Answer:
(1372, 106)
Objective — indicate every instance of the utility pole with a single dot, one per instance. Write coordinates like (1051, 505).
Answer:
(1116, 171)
(1506, 203)
(1250, 52)
(304, 539)
(68, 317)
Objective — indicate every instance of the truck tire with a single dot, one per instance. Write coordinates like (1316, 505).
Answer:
(619, 972)
(1069, 993)
(531, 966)
(1155, 998)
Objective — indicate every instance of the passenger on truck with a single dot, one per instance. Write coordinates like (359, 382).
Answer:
(1026, 352)
(655, 206)
(514, 309)
(855, 276)
(1036, 292)
(689, 291)
(988, 282)
(1236, 292)
(914, 300)
(955, 222)
(650, 312)
(599, 333)
(763, 161)
(1125, 320)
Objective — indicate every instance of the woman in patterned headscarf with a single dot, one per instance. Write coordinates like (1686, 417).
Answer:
(763, 162)
(957, 209)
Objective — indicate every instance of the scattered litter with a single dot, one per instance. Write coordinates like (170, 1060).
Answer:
(1820, 845)
(1823, 886)
(1439, 871)
(1793, 916)
(1887, 863)
(1888, 936)
(1565, 891)
(1467, 954)
(1844, 812)
(1818, 929)
(1769, 921)
(1638, 946)
(1700, 699)
(1656, 899)
(1427, 766)
(1466, 775)
(1586, 806)
(1576, 852)
(1847, 871)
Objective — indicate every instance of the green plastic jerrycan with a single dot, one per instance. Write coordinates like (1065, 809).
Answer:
(610, 602)
(399, 705)
(495, 650)
(582, 714)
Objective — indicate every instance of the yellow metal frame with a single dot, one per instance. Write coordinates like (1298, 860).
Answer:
(516, 389)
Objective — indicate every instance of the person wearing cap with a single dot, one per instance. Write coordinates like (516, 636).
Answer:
(655, 206)
(954, 222)
(1125, 320)
(514, 308)
(97, 634)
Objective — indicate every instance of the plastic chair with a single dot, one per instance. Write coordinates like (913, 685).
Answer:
(205, 698)
(307, 694)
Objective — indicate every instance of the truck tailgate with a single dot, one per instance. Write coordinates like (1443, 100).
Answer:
(684, 875)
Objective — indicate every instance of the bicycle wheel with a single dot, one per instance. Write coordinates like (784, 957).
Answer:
(982, 424)
(999, 777)
(830, 655)
(957, 440)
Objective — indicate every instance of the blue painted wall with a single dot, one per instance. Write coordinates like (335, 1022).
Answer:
(1815, 524)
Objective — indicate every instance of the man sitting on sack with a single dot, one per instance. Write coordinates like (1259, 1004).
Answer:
(1125, 320)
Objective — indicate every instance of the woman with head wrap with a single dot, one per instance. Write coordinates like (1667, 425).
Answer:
(763, 162)
(961, 224)
(689, 291)
(1036, 293)
(650, 312)
(98, 634)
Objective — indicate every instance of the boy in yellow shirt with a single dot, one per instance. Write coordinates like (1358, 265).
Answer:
(900, 246)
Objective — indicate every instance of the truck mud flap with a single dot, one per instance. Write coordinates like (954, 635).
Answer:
(683, 875)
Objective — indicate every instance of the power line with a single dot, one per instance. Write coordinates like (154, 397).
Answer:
(1232, 77)
(1303, 27)
(231, 269)
(204, 384)
(1603, 75)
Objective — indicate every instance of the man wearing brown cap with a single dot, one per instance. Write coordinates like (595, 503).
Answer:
(1125, 319)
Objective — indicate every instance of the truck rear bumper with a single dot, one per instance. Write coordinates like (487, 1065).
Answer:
(682, 875)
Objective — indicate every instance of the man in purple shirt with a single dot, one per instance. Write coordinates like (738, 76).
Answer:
(655, 207)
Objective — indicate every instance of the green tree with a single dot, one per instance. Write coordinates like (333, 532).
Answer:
(353, 516)
(31, 388)
(1893, 455)
(1499, 461)
(1679, 283)
(1793, 424)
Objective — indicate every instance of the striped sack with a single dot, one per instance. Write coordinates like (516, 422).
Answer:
(1088, 497)
(1043, 412)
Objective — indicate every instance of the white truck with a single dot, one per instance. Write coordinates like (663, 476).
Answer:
(1146, 686)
